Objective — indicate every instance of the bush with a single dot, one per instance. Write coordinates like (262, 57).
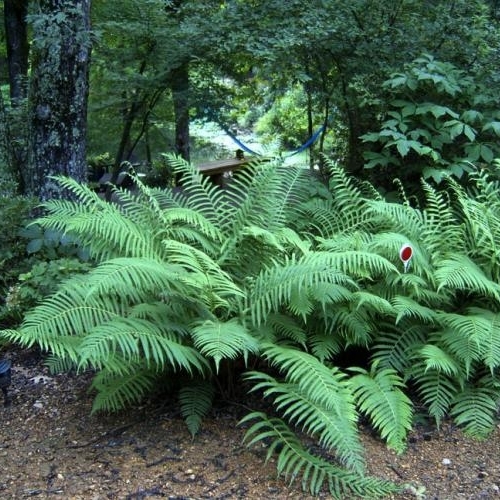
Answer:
(186, 285)
(438, 123)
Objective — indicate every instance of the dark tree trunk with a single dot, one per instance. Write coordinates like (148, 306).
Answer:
(58, 95)
(16, 33)
(180, 94)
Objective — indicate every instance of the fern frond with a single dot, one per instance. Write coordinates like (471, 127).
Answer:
(436, 388)
(286, 327)
(202, 194)
(322, 394)
(468, 336)
(406, 307)
(333, 432)
(459, 272)
(134, 339)
(275, 286)
(115, 391)
(475, 408)
(399, 218)
(223, 340)
(441, 223)
(100, 226)
(295, 461)
(359, 263)
(196, 401)
(395, 347)
(490, 340)
(379, 396)
(135, 278)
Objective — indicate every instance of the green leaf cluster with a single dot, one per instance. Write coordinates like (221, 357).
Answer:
(438, 122)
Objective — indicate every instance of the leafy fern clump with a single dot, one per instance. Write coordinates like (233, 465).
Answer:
(190, 282)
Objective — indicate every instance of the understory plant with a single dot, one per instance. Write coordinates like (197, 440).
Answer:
(439, 122)
(264, 274)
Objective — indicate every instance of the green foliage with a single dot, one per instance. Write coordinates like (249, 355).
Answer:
(285, 120)
(187, 283)
(294, 460)
(439, 122)
(379, 395)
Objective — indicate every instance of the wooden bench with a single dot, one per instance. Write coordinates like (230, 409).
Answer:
(216, 169)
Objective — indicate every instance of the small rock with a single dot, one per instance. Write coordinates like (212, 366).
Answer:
(446, 461)
(37, 405)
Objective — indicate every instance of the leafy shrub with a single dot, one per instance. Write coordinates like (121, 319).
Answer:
(39, 282)
(285, 120)
(439, 122)
(14, 212)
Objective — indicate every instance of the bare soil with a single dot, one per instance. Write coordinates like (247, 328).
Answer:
(52, 447)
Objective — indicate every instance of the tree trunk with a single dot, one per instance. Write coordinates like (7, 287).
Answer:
(16, 33)
(58, 95)
(180, 94)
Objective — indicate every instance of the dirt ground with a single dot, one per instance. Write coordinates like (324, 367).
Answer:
(51, 447)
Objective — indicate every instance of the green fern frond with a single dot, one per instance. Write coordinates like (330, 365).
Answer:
(136, 339)
(69, 311)
(203, 195)
(399, 218)
(358, 263)
(363, 299)
(353, 326)
(116, 391)
(333, 430)
(436, 388)
(274, 287)
(395, 346)
(134, 278)
(475, 408)
(286, 327)
(472, 337)
(406, 307)
(99, 226)
(322, 393)
(441, 223)
(223, 340)
(294, 461)
(324, 346)
(196, 401)
(459, 272)
(438, 359)
(490, 340)
(268, 195)
(379, 396)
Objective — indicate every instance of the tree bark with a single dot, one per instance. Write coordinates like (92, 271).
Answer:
(16, 34)
(58, 95)
(180, 95)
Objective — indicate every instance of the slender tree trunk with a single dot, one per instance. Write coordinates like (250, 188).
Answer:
(180, 95)
(58, 95)
(14, 116)
(16, 33)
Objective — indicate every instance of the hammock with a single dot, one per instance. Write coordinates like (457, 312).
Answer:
(304, 146)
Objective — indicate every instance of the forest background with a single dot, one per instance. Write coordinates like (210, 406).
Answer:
(297, 275)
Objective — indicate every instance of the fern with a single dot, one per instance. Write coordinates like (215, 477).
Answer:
(437, 389)
(379, 396)
(316, 397)
(460, 273)
(117, 390)
(223, 340)
(196, 401)
(475, 408)
(294, 462)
